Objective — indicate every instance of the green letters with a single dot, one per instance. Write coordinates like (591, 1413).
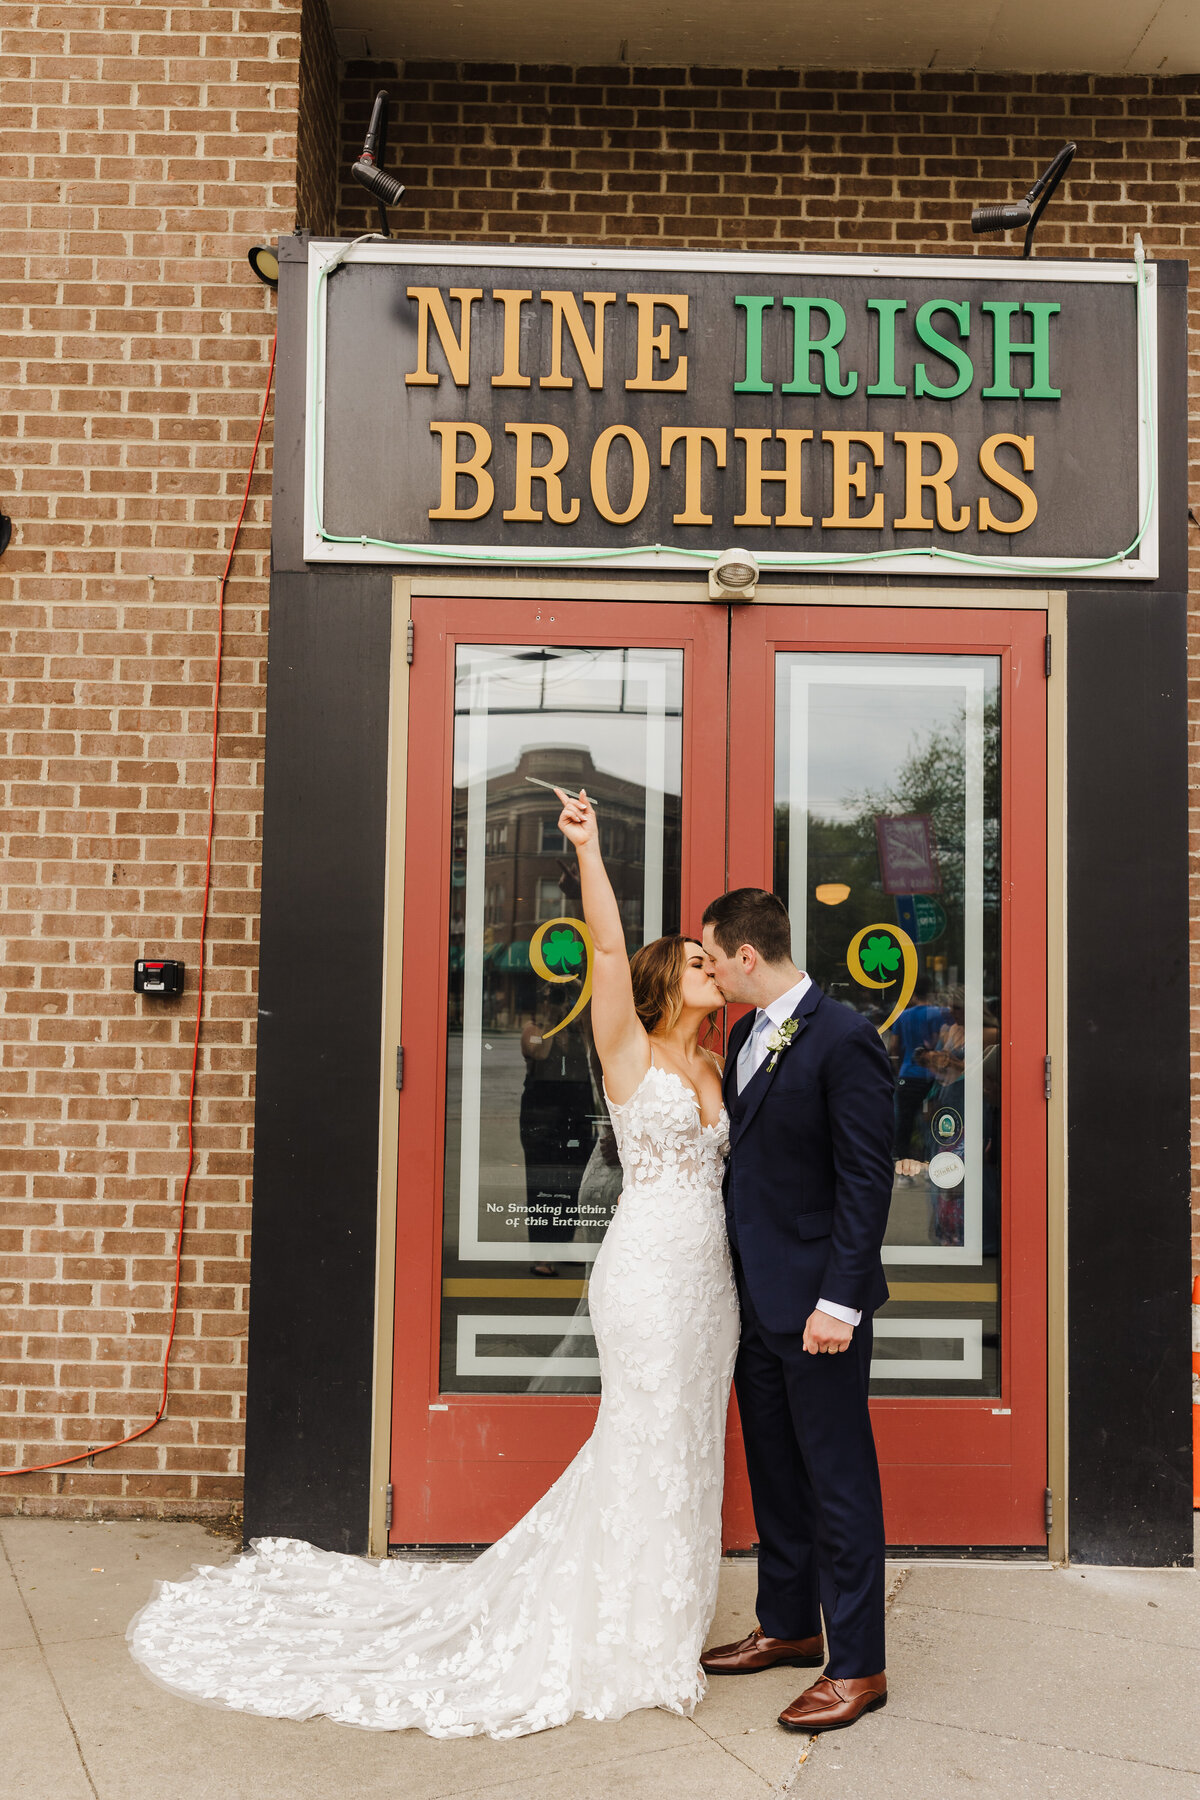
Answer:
(752, 382)
(1037, 347)
(825, 347)
(819, 330)
(887, 310)
(951, 353)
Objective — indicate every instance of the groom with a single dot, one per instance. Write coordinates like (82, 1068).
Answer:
(808, 1088)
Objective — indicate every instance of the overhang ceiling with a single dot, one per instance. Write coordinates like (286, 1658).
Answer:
(1104, 37)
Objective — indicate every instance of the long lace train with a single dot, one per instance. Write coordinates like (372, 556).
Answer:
(597, 1601)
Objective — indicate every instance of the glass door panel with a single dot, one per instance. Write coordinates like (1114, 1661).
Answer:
(888, 856)
(508, 1174)
(531, 1174)
(887, 776)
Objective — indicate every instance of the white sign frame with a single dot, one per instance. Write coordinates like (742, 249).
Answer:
(324, 254)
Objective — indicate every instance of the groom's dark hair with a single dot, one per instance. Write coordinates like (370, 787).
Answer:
(751, 916)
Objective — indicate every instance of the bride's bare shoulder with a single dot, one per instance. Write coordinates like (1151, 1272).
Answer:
(717, 1060)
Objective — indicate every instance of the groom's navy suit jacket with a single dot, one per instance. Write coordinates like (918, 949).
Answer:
(809, 1178)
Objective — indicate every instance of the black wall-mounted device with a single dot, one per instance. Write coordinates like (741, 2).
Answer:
(162, 980)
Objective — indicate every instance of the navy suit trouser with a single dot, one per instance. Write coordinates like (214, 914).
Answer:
(814, 1482)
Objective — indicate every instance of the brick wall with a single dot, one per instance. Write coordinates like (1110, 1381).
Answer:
(753, 159)
(317, 126)
(145, 148)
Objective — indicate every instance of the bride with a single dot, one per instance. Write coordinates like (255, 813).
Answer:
(597, 1601)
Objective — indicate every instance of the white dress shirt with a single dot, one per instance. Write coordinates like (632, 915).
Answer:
(753, 1052)
(751, 1057)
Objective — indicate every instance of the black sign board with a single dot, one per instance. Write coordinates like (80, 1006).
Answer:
(980, 416)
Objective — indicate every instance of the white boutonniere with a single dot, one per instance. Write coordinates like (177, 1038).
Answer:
(779, 1039)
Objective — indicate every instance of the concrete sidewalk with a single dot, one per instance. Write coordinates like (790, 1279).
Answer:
(1004, 1680)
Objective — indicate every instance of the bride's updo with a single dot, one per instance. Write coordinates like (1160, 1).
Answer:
(657, 974)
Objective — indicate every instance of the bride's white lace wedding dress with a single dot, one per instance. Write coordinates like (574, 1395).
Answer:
(597, 1602)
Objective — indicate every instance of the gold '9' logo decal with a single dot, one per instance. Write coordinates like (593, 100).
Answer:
(886, 945)
(561, 950)
(564, 945)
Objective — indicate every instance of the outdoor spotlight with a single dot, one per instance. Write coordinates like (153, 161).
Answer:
(1000, 218)
(368, 170)
(1028, 211)
(733, 576)
(264, 260)
(5, 532)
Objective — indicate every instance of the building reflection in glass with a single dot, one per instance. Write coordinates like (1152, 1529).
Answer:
(531, 1172)
(887, 819)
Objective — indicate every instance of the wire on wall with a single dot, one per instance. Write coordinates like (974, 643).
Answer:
(99, 1449)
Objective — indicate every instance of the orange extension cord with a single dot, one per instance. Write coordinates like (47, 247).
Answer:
(99, 1449)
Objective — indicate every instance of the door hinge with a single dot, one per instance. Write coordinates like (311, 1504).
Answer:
(399, 1067)
(1049, 1510)
(412, 632)
(387, 1507)
(1048, 1072)
(1048, 654)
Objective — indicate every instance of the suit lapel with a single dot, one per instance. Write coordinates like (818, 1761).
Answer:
(733, 1049)
(760, 1083)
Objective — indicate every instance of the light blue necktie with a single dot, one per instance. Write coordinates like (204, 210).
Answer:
(756, 1044)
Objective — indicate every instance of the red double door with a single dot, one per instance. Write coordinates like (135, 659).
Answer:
(883, 769)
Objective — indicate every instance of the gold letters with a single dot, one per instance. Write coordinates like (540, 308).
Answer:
(456, 350)
(651, 343)
(850, 478)
(793, 448)
(512, 300)
(694, 436)
(1012, 484)
(916, 481)
(847, 479)
(485, 488)
(527, 472)
(640, 458)
(590, 351)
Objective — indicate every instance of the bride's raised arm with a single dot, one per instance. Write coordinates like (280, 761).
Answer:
(619, 1035)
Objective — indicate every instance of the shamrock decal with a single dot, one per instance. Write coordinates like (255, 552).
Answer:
(880, 954)
(562, 950)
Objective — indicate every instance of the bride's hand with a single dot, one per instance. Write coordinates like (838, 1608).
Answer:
(577, 821)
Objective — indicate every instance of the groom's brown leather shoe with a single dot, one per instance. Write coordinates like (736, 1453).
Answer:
(761, 1652)
(834, 1701)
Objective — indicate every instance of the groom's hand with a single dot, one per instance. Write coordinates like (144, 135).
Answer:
(825, 1335)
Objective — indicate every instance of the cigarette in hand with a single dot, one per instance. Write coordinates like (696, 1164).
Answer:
(554, 789)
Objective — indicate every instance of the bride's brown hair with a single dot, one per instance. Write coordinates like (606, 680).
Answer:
(656, 971)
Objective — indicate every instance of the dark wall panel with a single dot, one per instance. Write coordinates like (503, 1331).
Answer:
(312, 1268)
(1128, 1160)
